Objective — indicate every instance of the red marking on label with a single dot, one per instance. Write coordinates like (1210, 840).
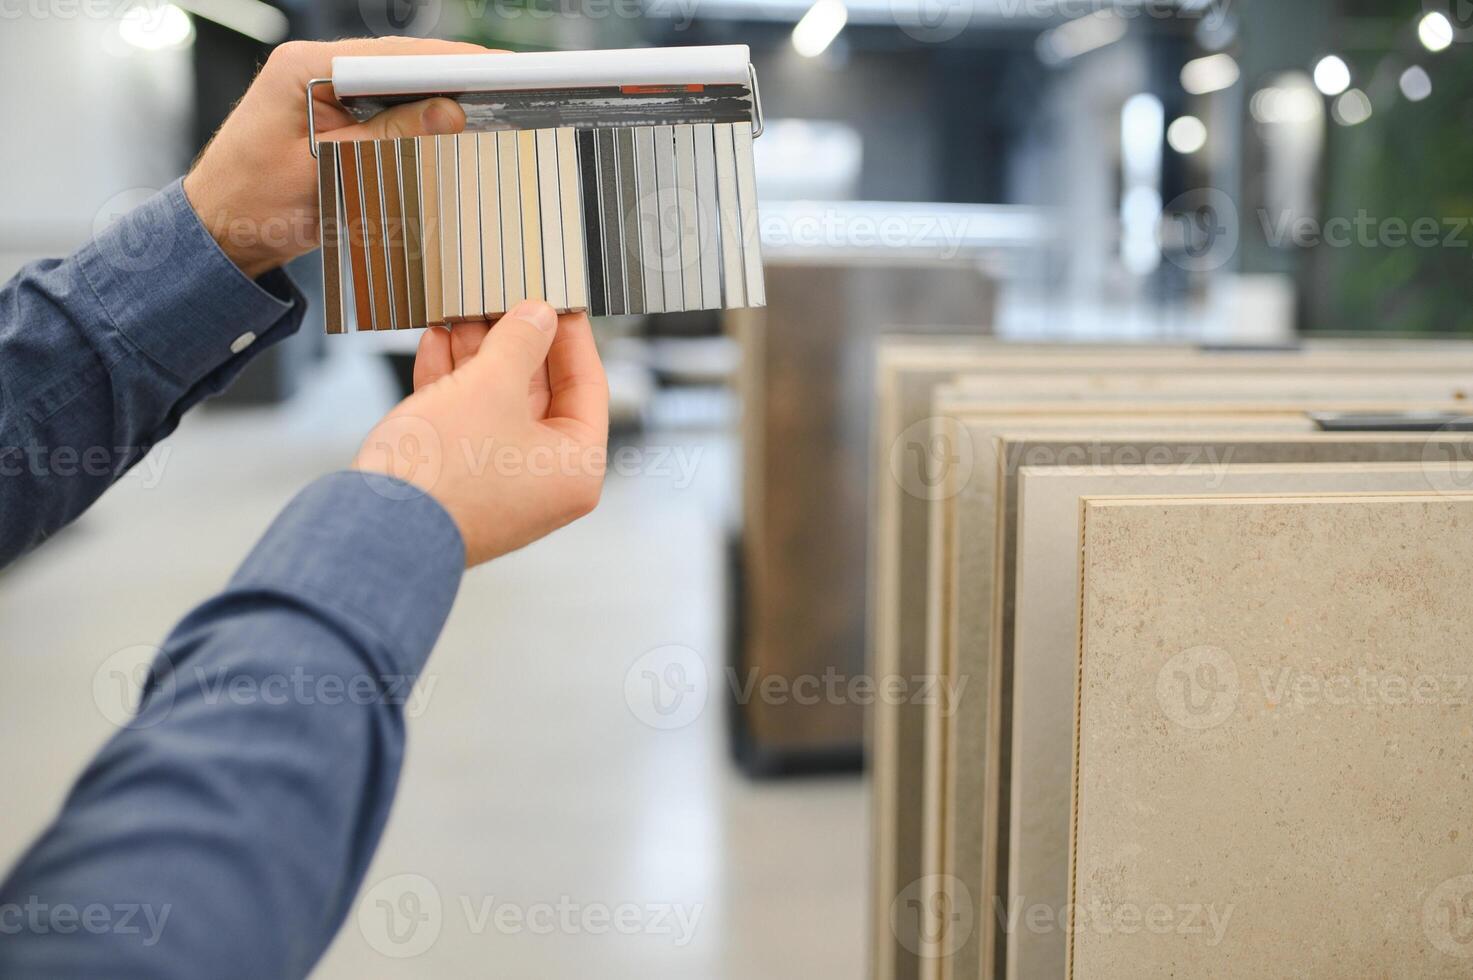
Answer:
(659, 89)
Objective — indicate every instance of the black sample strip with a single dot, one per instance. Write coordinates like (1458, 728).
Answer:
(598, 296)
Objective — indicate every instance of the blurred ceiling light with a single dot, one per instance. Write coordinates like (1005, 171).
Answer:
(1186, 135)
(1352, 108)
(1278, 105)
(1416, 84)
(1142, 123)
(1332, 75)
(161, 27)
(256, 20)
(1080, 36)
(1435, 32)
(1210, 74)
(818, 28)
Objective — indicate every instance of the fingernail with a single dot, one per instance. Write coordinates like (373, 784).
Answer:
(437, 120)
(536, 312)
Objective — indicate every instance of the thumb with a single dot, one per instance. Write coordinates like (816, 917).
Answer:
(515, 349)
(433, 117)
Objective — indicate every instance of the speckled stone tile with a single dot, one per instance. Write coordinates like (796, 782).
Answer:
(1274, 724)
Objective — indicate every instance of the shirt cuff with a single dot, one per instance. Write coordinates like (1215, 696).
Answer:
(166, 285)
(373, 548)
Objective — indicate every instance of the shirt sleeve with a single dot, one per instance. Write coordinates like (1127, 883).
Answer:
(102, 352)
(226, 829)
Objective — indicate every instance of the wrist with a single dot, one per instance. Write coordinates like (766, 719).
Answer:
(242, 239)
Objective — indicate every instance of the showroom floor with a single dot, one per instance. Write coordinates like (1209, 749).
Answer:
(542, 829)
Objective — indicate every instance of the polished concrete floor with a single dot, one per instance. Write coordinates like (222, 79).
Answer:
(548, 824)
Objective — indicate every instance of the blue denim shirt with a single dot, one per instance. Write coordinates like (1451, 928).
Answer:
(216, 835)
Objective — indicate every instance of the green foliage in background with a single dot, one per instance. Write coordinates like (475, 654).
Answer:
(1412, 161)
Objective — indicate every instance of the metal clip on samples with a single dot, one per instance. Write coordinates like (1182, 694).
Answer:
(615, 182)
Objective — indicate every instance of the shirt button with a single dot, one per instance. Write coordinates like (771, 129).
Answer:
(242, 342)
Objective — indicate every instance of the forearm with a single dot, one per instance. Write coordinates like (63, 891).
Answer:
(102, 352)
(238, 813)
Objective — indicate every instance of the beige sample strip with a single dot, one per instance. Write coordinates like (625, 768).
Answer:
(493, 277)
(574, 264)
(548, 198)
(1270, 724)
(756, 293)
(732, 267)
(329, 202)
(450, 220)
(470, 226)
(428, 154)
(533, 284)
(512, 261)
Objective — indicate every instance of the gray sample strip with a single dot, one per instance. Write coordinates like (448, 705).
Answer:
(649, 221)
(669, 217)
(598, 295)
(629, 218)
(690, 223)
(709, 230)
(608, 185)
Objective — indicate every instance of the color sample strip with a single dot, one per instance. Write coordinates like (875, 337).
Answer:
(413, 231)
(394, 231)
(549, 193)
(493, 276)
(470, 226)
(536, 288)
(598, 290)
(669, 210)
(732, 267)
(709, 231)
(380, 288)
(357, 234)
(690, 224)
(454, 305)
(428, 155)
(511, 220)
(751, 224)
(613, 239)
(650, 266)
(574, 232)
(328, 202)
(629, 219)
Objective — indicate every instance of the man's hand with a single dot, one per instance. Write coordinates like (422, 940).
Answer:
(507, 427)
(255, 185)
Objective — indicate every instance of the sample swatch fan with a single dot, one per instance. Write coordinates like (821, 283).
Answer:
(615, 182)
